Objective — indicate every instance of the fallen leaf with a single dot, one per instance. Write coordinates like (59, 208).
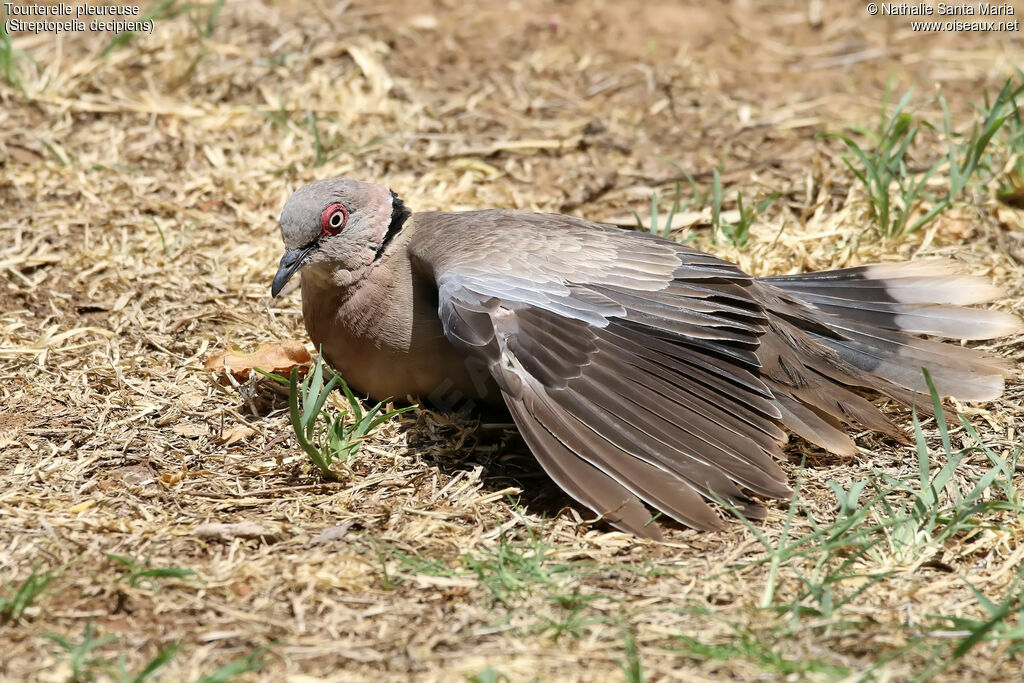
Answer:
(234, 434)
(276, 357)
(226, 532)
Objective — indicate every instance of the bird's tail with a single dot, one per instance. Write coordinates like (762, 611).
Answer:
(833, 332)
(873, 311)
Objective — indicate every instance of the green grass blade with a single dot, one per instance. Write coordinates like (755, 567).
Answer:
(354, 404)
(672, 213)
(654, 212)
(300, 429)
(254, 661)
(639, 223)
(940, 415)
(716, 206)
(162, 658)
(312, 386)
(211, 20)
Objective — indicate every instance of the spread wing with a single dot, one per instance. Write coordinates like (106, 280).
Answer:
(629, 364)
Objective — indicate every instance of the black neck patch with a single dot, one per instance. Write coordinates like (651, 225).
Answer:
(399, 214)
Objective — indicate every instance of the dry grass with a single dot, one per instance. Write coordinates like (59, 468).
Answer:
(140, 191)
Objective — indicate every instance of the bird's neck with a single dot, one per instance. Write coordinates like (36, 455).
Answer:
(373, 309)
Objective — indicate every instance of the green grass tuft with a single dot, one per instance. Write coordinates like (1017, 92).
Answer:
(632, 664)
(737, 234)
(10, 56)
(86, 663)
(138, 574)
(900, 204)
(762, 652)
(203, 19)
(233, 670)
(886, 527)
(16, 600)
(327, 438)
(1010, 170)
(517, 566)
(163, 9)
(653, 228)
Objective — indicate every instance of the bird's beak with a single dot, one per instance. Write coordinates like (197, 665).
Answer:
(292, 260)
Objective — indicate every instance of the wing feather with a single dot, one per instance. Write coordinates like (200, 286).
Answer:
(633, 383)
(641, 371)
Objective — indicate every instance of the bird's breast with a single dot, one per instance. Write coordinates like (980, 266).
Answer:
(387, 341)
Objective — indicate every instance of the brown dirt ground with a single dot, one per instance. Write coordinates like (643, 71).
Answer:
(139, 195)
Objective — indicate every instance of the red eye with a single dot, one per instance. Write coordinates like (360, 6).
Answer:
(333, 220)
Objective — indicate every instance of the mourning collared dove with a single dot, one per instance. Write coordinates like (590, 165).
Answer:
(638, 370)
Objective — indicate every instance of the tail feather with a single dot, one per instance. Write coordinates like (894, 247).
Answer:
(914, 282)
(940, 320)
(901, 363)
(862, 321)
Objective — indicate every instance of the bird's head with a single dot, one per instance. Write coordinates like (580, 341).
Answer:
(340, 224)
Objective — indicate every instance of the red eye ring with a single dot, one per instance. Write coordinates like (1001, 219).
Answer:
(333, 220)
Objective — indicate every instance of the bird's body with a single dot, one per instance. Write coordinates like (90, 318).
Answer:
(636, 368)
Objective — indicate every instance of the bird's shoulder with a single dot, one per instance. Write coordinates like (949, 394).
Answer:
(544, 246)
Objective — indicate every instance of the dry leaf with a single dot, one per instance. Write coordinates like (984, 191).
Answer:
(234, 434)
(276, 357)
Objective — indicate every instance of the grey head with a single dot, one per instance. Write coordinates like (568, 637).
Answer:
(337, 226)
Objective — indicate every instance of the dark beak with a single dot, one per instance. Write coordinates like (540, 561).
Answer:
(290, 264)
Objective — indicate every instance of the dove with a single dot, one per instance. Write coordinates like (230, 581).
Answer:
(647, 377)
